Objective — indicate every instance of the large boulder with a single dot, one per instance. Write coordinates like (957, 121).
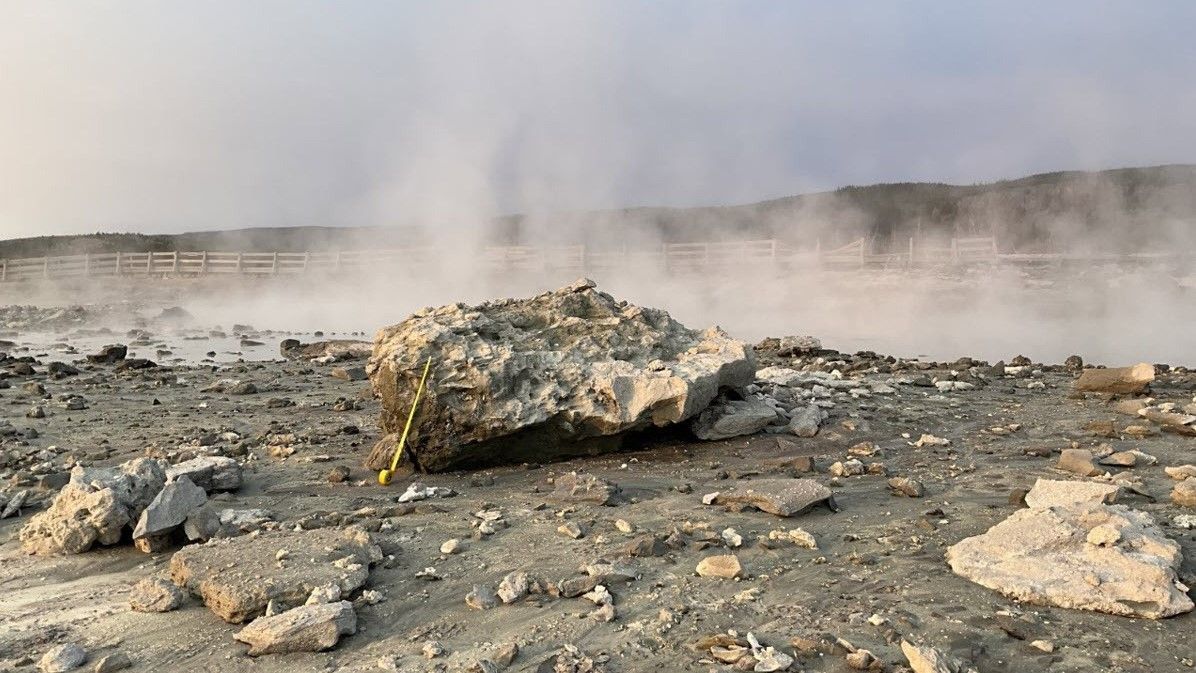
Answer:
(564, 373)
(1106, 558)
(95, 507)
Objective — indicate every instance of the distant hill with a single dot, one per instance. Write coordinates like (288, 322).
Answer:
(1126, 209)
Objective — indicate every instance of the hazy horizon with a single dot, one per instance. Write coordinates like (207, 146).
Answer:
(168, 117)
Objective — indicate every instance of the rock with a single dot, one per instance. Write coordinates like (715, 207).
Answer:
(1184, 493)
(505, 654)
(574, 487)
(338, 474)
(329, 351)
(1079, 461)
(211, 473)
(846, 468)
(481, 598)
(348, 373)
(452, 546)
(928, 660)
(109, 354)
(170, 508)
(571, 529)
(732, 418)
(513, 587)
(432, 649)
(860, 660)
(237, 577)
(154, 594)
(13, 507)
(1180, 472)
(1042, 556)
(1054, 493)
(564, 373)
(797, 345)
(1120, 380)
(911, 488)
(805, 421)
(624, 526)
(95, 507)
(241, 388)
(117, 661)
(309, 628)
(782, 497)
(417, 491)
(60, 658)
(726, 566)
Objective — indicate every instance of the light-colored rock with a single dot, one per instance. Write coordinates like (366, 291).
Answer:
(1055, 493)
(1121, 380)
(211, 473)
(1042, 556)
(575, 488)
(910, 488)
(1180, 472)
(732, 418)
(309, 628)
(61, 658)
(170, 508)
(726, 566)
(95, 507)
(117, 661)
(154, 594)
(782, 497)
(237, 577)
(1079, 461)
(1184, 493)
(928, 660)
(513, 587)
(563, 373)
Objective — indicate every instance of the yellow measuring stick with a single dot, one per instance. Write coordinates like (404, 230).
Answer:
(385, 475)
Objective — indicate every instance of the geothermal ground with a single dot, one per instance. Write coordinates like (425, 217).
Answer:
(635, 573)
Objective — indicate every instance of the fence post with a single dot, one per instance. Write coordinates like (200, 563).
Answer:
(239, 262)
(149, 263)
(45, 267)
(118, 262)
(203, 263)
(174, 266)
(306, 259)
(87, 264)
(274, 264)
(3, 270)
(911, 250)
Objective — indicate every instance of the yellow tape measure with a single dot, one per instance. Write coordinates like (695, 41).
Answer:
(384, 476)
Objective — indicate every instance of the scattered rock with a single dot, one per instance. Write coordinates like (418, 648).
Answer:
(726, 566)
(211, 473)
(169, 509)
(1054, 493)
(309, 628)
(109, 354)
(1079, 461)
(928, 660)
(1184, 493)
(117, 661)
(60, 658)
(782, 497)
(725, 419)
(911, 488)
(1120, 380)
(574, 487)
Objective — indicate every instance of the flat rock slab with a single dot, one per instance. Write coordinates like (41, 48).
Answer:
(732, 418)
(237, 577)
(1055, 493)
(310, 628)
(1122, 380)
(782, 497)
(212, 473)
(575, 487)
(1106, 558)
(170, 508)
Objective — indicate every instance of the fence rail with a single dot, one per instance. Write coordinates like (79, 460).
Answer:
(670, 257)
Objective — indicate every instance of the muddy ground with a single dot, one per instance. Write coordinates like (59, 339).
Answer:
(878, 575)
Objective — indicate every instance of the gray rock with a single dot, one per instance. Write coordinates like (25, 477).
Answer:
(782, 497)
(574, 487)
(733, 418)
(211, 473)
(309, 628)
(117, 661)
(805, 421)
(60, 658)
(173, 504)
(560, 374)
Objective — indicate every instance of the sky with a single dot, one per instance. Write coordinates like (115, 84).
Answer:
(167, 116)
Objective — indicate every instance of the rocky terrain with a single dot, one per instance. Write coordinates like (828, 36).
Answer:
(177, 497)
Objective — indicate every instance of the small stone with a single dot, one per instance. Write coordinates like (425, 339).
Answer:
(338, 474)
(571, 529)
(860, 660)
(60, 658)
(731, 538)
(432, 649)
(725, 566)
(928, 660)
(1044, 645)
(847, 468)
(513, 587)
(1056, 493)
(506, 653)
(154, 594)
(117, 661)
(604, 614)
(328, 593)
(481, 598)
(911, 488)
(1078, 461)
(624, 526)
(453, 546)
(1180, 472)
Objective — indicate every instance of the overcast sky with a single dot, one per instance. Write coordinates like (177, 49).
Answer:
(166, 116)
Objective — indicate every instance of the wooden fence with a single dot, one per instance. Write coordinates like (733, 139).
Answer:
(670, 257)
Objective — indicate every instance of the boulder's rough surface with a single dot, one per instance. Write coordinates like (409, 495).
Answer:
(563, 373)
(94, 507)
(782, 497)
(310, 628)
(1044, 556)
(211, 473)
(732, 418)
(1121, 380)
(170, 508)
(154, 594)
(237, 577)
(62, 658)
(1184, 493)
(1055, 493)
(929, 660)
